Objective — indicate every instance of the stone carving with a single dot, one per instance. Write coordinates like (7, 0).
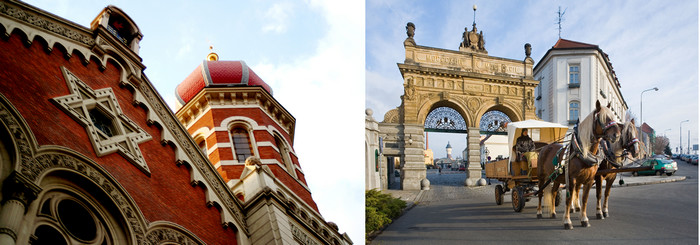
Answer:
(19, 187)
(301, 236)
(391, 116)
(445, 95)
(409, 92)
(46, 162)
(163, 235)
(473, 40)
(42, 23)
(528, 50)
(473, 104)
(127, 134)
(410, 32)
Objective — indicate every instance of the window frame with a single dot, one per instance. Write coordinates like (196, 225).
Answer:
(578, 111)
(577, 74)
(251, 140)
(284, 152)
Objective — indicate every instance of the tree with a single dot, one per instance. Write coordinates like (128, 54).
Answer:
(667, 151)
(659, 144)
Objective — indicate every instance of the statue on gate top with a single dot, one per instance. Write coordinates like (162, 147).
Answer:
(410, 31)
(473, 40)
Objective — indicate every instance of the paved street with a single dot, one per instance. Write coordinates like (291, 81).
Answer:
(648, 212)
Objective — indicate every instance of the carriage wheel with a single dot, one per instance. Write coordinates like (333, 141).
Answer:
(518, 201)
(557, 199)
(499, 194)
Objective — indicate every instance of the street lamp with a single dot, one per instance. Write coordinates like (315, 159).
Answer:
(641, 118)
(680, 135)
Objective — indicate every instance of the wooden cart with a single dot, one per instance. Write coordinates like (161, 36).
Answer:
(508, 171)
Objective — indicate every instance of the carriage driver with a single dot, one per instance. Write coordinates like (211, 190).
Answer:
(524, 148)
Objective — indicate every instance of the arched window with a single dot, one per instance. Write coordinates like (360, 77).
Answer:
(284, 154)
(573, 111)
(65, 217)
(202, 143)
(241, 143)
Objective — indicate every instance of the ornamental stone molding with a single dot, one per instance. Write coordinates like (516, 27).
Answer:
(123, 135)
(45, 24)
(162, 232)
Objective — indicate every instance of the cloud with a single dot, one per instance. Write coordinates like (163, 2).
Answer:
(324, 92)
(277, 17)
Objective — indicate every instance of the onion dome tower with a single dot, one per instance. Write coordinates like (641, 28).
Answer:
(248, 136)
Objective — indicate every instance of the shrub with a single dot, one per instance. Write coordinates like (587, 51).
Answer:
(380, 210)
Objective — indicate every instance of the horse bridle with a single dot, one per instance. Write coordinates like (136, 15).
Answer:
(610, 156)
(602, 125)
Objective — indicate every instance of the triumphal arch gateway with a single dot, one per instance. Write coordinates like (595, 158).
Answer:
(461, 91)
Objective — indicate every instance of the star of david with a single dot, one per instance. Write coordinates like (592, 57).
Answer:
(107, 127)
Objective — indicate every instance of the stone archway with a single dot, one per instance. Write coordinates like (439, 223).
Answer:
(469, 81)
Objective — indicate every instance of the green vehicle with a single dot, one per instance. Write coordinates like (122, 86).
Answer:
(659, 167)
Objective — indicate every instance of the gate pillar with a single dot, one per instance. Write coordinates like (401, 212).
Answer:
(474, 167)
(412, 159)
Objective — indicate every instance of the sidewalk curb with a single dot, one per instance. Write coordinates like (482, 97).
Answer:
(682, 178)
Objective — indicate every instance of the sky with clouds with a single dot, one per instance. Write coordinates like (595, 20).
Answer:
(650, 44)
(309, 52)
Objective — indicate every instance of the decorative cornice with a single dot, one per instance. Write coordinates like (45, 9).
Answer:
(45, 24)
(169, 233)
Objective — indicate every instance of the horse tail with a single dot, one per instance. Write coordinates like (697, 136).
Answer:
(547, 199)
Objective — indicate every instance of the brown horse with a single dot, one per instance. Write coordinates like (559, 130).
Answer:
(599, 124)
(628, 143)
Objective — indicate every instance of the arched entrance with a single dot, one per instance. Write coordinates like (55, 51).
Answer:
(469, 81)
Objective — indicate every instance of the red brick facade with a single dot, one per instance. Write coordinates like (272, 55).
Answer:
(30, 77)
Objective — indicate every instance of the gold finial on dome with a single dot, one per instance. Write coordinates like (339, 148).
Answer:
(212, 56)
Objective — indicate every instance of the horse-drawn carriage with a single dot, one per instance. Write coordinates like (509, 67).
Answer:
(520, 177)
(596, 150)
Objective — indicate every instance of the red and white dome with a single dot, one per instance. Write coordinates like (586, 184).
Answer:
(218, 74)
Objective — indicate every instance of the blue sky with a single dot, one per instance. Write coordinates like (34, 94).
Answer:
(650, 44)
(309, 52)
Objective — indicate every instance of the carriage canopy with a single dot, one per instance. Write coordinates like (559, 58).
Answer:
(539, 131)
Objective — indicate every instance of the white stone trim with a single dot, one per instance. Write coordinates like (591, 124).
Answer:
(248, 106)
(127, 136)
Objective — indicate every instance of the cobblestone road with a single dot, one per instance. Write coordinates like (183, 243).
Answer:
(449, 186)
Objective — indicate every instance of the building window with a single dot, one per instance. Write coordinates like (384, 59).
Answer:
(284, 155)
(573, 112)
(574, 76)
(202, 143)
(68, 219)
(241, 143)
(102, 122)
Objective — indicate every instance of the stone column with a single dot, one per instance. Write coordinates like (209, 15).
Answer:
(412, 159)
(474, 167)
(18, 192)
